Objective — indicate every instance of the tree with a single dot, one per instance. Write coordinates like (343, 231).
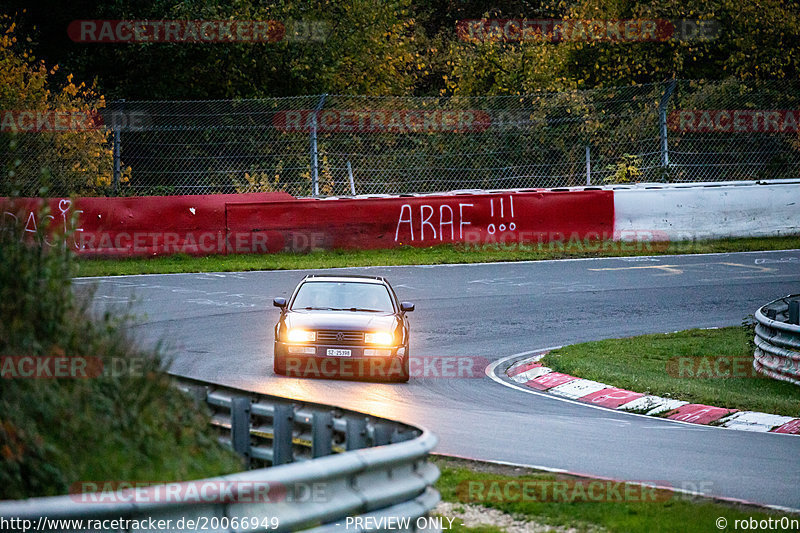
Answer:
(51, 138)
(329, 46)
(742, 39)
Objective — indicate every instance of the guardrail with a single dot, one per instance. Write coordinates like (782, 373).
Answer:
(380, 472)
(777, 340)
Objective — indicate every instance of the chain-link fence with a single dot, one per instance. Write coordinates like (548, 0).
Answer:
(684, 131)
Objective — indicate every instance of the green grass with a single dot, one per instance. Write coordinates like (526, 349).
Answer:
(670, 512)
(406, 255)
(641, 364)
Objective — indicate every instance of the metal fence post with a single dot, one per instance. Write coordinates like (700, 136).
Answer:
(282, 419)
(117, 149)
(662, 119)
(314, 164)
(588, 167)
(240, 428)
(350, 175)
(322, 434)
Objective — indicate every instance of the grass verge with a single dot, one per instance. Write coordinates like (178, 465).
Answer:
(669, 365)
(407, 255)
(601, 507)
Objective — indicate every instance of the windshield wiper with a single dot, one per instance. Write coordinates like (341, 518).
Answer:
(310, 308)
(357, 309)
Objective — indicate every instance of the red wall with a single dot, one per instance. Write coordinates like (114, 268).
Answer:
(273, 222)
(427, 220)
(139, 226)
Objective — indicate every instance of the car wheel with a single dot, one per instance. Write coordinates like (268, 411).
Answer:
(406, 374)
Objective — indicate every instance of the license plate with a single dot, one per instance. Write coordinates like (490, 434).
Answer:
(338, 353)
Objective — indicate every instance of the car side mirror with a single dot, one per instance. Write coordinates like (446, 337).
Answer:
(279, 302)
(406, 307)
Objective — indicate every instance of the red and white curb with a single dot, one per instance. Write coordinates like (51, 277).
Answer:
(531, 373)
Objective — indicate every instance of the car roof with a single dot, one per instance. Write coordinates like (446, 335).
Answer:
(378, 280)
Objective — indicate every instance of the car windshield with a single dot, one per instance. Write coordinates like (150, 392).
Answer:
(343, 296)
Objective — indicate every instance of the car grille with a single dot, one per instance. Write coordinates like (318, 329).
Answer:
(333, 336)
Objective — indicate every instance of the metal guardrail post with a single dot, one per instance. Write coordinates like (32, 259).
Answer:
(282, 435)
(356, 433)
(198, 394)
(322, 434)
(382, 435)
(794, 312)
(240, 427)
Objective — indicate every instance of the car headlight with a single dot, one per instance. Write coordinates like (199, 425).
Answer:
(301, 335)
(382, 338)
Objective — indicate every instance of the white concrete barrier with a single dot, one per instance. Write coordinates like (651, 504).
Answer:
(710, 211)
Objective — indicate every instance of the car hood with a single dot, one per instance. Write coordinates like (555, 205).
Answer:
(344, 320)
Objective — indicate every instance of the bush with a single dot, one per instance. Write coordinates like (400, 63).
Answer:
(55, 432)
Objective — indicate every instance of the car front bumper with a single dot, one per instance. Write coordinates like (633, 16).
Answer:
(316, 361)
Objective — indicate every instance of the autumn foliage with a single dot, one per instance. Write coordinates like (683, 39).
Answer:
(69, 160)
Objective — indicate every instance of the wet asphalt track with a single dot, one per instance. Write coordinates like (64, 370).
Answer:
(219, 328)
